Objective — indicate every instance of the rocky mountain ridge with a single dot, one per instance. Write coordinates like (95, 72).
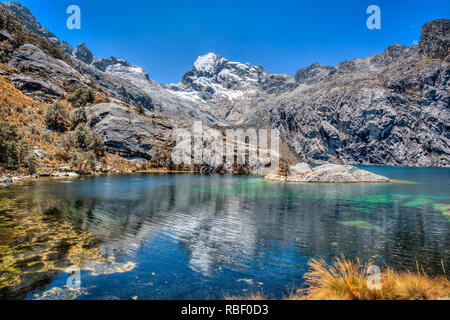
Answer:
(33, 24)
(388, 109)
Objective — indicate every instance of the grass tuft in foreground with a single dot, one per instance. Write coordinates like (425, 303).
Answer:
(352, 280)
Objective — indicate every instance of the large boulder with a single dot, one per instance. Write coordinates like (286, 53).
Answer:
(39, 153)
(130, 134)
(331, 173)
(33, 84)
(33, 59)
(301, 168)
(435, 39)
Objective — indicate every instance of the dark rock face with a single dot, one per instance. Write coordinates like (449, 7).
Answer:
(84, 54)
(32, 84)
(330, 173)
(125, 131)
(435, 40)
(389, 109)
(313, 74)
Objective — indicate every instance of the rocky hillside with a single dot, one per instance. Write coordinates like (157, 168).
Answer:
(389, 109)
(59, 109)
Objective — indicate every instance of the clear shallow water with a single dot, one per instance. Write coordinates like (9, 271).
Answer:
(207, 237)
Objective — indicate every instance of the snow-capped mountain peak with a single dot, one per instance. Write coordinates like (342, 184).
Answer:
(209, 63)
(214, 77)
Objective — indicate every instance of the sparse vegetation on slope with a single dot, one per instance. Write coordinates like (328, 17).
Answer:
(14, 24)
(28, 117)
(56, 117)
(77, 117)
(81, 97)
(140, 108)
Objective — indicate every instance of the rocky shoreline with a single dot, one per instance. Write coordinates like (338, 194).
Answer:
(9, 180)
(300, 173)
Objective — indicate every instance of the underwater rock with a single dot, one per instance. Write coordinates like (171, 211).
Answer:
(359, 224)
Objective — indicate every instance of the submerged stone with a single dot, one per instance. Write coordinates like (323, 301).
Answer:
(359, 224)
(374, 199)
(61, 294)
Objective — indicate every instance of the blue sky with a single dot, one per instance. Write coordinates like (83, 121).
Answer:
(165, 37)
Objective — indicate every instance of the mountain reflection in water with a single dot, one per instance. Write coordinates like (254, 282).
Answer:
(197, 237)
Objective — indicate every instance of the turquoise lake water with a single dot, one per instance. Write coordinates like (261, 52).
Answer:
(211, 236)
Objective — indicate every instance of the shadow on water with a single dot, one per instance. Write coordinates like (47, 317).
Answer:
(196, 237)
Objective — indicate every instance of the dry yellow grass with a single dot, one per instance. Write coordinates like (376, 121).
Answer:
(350, 280)
(341, 280)
(413, 286)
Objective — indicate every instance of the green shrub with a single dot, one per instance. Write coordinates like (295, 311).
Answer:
(67, 148)
(31, 163)
(15, 154)
(77, 117)
(140, 108)
(81, 140)
(83, 162)
(87, 140)
(56, 117)
(82, 97)
(9, 158)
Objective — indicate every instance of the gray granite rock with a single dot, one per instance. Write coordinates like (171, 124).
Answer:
(3, 72)
(33, 59)
(84, 54)
(301, 168)
(332, 174)
(39, 153)
(126, 132)
(435, 40)
(155, 139)
(30, 84)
